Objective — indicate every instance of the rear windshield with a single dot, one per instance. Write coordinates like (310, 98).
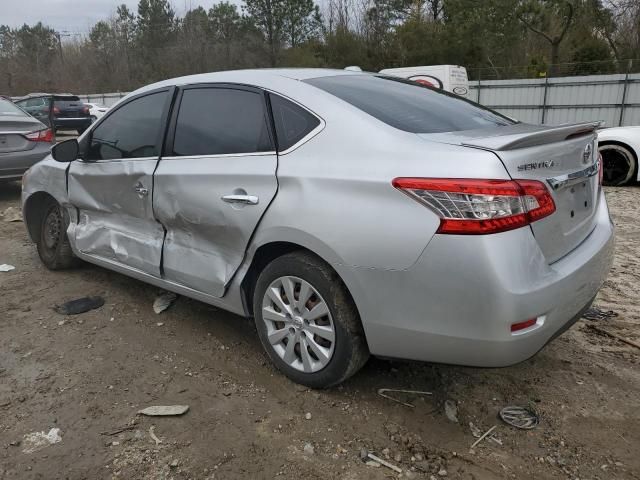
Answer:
(8, 108)
(409, 106)
(67, 101)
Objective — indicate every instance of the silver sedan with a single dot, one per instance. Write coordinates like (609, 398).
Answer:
(24, 141)
(348, 213)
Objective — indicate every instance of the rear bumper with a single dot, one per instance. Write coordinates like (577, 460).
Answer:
(14, 164)
(456, 304)
(72, 123)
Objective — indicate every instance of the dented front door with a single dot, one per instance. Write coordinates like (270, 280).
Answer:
(112, 186)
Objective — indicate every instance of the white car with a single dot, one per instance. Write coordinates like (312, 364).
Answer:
(619, 147)
(96, 111)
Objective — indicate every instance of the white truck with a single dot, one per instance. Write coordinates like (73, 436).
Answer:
(452, 78)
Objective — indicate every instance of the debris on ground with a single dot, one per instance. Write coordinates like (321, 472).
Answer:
(119, 430)
(38, 440)
(307, 416)
(309, 449)
(451, 410)
(616, 336)
(153, 435)
(594, 313)
(164, 410)
(6, 267)
(483, 436)
(520, 417)
(381, 461)
(12, 214)
(81, 305)
(164, 301)
(477, 433)
(383, 393)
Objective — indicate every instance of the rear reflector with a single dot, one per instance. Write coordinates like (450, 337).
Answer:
(515, 327)
(477, 207)
(45, 135)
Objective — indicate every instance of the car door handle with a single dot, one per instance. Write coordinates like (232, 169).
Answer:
(140, 190)
(246, 199)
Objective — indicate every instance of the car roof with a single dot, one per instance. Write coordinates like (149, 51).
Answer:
(262, 77)
(39, 95)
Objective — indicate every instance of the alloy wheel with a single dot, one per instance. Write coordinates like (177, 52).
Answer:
(300, 327)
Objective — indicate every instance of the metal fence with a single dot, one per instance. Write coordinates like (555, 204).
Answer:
(612, 98)
(615, 99)
(106, 99)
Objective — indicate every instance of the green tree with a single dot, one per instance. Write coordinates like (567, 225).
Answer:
(551, 20)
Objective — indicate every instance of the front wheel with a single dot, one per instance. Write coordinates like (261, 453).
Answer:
(52, 243)
(307, 321)
(619, 164)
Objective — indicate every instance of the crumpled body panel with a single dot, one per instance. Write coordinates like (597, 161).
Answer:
(115, 221)
(207, 237)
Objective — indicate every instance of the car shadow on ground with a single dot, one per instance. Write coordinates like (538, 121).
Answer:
(9, 190)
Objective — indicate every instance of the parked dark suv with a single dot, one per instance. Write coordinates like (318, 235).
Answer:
(60, 111)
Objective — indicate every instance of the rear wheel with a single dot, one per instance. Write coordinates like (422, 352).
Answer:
(619, 164)
(53, 244)
(307, 322)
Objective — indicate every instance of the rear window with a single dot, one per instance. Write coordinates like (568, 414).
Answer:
(8, 108)
(409, 106)
(67, 101)
(292, 122)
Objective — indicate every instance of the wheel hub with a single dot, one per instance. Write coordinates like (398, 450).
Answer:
(299, 325)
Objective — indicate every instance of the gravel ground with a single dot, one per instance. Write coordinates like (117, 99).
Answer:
(88, 375)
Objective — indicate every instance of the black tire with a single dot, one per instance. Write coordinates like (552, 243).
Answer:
(620, 164)
(350, 351)
(52, 243)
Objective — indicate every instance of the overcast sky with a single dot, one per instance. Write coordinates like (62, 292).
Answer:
(75, 16)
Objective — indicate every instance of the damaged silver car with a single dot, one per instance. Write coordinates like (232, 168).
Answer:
(349, 213)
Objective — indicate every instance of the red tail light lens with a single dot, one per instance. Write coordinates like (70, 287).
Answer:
(477, 207)
(56, 110)
(45, 135)
(85, 110)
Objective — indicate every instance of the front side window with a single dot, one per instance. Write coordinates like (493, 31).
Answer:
(132, 131)
(409, 106)
(292, 122)
(219, 121)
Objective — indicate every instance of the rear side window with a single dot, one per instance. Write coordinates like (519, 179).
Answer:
(219, 121)
(132, 131)
(409, 106)
(292, 122)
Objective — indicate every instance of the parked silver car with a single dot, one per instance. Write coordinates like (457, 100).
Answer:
(348, 213)
(24, 141)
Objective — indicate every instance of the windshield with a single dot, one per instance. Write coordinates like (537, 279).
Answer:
(410, 106)
(8, 108)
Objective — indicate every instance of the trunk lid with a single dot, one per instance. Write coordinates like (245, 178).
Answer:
(12, 130)
(564, 158)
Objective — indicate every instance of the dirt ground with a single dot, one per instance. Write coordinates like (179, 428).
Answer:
(89, 374)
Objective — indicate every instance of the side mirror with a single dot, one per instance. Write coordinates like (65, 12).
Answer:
(66, 151)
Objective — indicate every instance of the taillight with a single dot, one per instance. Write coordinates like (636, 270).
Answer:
(45, 135)
(477, 207)
(56, 110)
(600, 169)
(85, 110)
